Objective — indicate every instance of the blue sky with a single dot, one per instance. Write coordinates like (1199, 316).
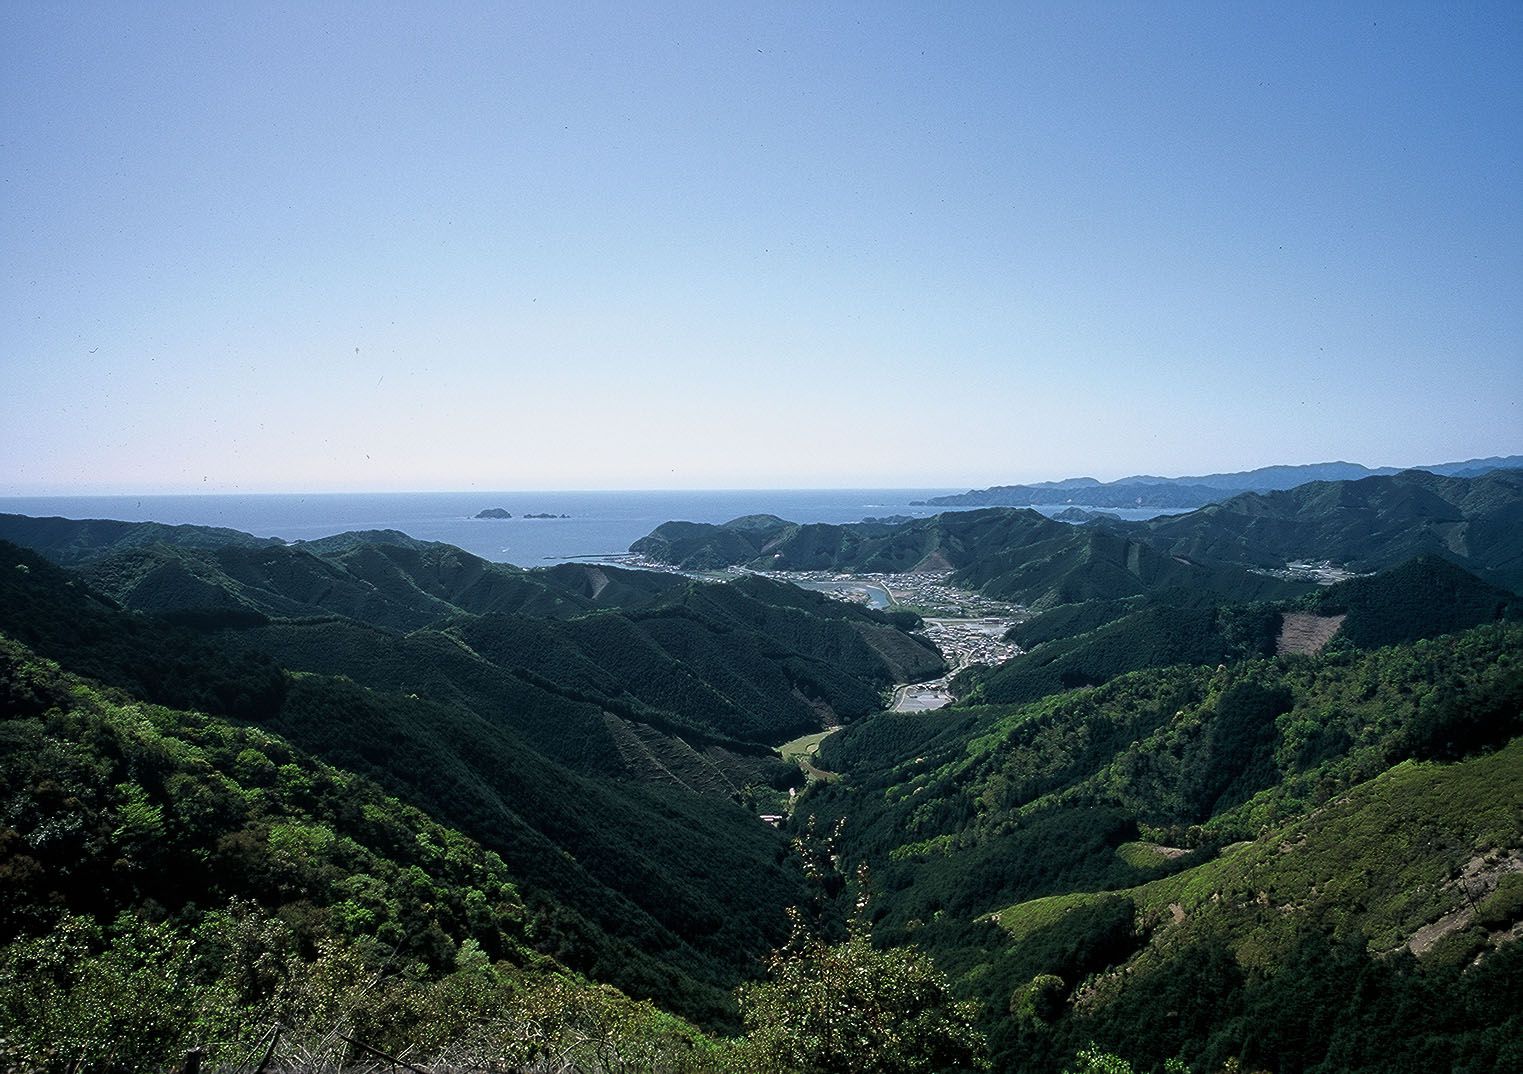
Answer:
(321, 246)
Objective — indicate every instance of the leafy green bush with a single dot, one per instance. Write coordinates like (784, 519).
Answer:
(850, 1008)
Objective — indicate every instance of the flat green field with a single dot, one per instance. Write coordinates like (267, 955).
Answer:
(804, 746)
(801, 749)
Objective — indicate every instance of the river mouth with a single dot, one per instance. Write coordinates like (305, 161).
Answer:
(868, 593)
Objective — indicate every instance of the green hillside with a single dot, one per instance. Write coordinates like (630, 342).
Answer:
(1421, 598)
(1070, 807)
(175, 880)
(1089, 643)
(1364, 525)
(181, 887)
(714, 668)
(1155, 635)
(1401, 895)
(662, 891)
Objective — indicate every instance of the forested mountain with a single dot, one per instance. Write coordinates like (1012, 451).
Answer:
(385, 579)
(72, 541)
(1019, 555)
(1094, 562)
(1090, 643)
(1205, 794)
(1009, 554)
(510, 727)
(753, 662)
(1161, 495)
(1422, 598)
(174, 879)
(944, 542)
(627, 873)
(1172, 863)
(1363, 525)
(185, 891)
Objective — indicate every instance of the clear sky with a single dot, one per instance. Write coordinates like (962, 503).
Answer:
(257, 246)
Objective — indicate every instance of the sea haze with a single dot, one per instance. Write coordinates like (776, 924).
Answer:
(600, 523)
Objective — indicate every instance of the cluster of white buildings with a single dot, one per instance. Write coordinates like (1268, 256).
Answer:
(1323, 573)
(965, 642)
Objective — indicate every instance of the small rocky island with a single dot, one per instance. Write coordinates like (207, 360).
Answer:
(500, 512)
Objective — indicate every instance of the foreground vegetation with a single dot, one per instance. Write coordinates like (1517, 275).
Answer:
(176, 881)
(1172, 863)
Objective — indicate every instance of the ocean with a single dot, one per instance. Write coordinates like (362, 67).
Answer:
(598, 523)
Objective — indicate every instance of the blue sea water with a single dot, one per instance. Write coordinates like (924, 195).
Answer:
(600, 523)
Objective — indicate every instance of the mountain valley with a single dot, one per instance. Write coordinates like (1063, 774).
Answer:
(1183, 795)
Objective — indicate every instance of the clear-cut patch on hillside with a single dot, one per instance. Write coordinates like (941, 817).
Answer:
(1305, 633)
(1479, 878)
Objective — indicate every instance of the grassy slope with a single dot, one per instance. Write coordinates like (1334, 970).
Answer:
(1064, 802)
(1305, 934)
(1379, 862)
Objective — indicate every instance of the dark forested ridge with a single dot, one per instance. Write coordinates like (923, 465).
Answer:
(1020, 555)
(1089, 643)
(73, 541)
(618, 866)
(752, 662)
(596, 748)
(1214, 814)
(1006, 553)
(1364, 525)
(178, 884)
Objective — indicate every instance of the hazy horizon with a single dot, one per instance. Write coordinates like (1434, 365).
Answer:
(107, 491)
(334, 248)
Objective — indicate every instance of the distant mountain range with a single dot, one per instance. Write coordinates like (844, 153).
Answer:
(1149, 491)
